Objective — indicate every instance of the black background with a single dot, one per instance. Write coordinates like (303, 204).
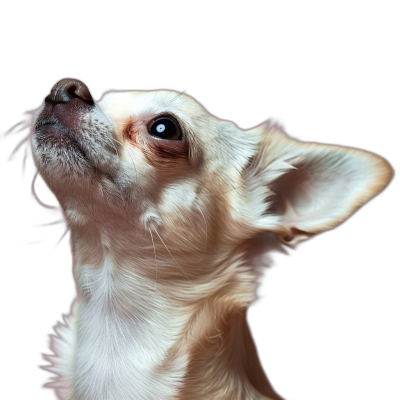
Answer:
(325, 322)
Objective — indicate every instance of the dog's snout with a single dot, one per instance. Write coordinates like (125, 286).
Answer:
(69, 89)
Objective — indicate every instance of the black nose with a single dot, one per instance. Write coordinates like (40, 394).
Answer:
(68, 89)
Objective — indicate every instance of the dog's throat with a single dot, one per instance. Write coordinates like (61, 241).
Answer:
(125, 332)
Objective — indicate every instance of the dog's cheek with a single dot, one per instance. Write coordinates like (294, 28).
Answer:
(177, 199)
(180, 211)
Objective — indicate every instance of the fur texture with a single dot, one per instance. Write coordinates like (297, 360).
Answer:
(165, 234)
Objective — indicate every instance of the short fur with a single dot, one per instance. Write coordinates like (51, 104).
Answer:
(165, 235)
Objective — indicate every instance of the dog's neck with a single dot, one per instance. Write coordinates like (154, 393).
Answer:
(144, 330)
(126, 330)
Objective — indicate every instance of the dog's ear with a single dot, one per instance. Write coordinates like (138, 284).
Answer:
(307, 188)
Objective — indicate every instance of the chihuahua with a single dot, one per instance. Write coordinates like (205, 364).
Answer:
(169, 208)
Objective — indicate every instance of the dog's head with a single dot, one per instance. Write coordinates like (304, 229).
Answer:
(157, 162)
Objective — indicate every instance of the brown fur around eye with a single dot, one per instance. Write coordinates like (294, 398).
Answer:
(168, 149)
(156, 150)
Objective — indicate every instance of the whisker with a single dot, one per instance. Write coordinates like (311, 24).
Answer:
(18, 146)
(115, 140)
(33, 190)
(177, 96)
(205, 222)
(173, 257)
(33, 242)
(24, 126)
(109, 141)
(24, 160)
(130, 155)
(52, 223)
(116, 151)
(155, 256)
(61, 238)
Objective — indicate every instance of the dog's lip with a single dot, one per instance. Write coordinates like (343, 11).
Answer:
(51, 127)
(54, 122)
(67, 114)
(46, 122)
(47, 119)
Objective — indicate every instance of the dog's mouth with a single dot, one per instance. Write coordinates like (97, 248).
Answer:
(54, 133)
(67, 130)
(44, 123)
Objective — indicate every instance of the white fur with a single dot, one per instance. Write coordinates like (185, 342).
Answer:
(164, 256)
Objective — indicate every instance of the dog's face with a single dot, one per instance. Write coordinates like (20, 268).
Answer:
(157, 159)
(158, 162)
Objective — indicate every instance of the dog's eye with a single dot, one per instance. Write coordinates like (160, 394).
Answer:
(165, 128)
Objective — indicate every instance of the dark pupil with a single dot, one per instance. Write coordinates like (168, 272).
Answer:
(165, 128)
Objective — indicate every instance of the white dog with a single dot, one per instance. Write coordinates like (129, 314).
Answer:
(168, 206)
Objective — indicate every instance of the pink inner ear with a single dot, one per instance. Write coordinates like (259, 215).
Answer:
(305, 190)
(311, 187)
(325, 188)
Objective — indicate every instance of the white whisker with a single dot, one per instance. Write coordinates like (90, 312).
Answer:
(22, 125)
(155, 256)
(107, 141)
(173, 256)
(177, 96)
(130, 155)
(205, 222)
(18, 146)
(34, 194)
(25, 159)
(61, 238)
(58, 222)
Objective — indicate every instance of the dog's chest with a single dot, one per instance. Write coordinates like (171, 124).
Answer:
(123, 343)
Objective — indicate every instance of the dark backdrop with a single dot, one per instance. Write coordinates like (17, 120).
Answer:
(325, 321)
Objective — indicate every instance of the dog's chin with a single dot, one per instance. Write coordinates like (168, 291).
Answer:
(55, 148)
(58, 137)
(59, 147)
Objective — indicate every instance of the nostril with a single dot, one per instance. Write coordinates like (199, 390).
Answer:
(69, 89)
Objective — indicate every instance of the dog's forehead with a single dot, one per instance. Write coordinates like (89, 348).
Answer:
(121, 105)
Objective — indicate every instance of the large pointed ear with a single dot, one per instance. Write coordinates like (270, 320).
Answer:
(309, 187)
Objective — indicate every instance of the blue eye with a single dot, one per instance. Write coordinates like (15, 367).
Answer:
(165, 128)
